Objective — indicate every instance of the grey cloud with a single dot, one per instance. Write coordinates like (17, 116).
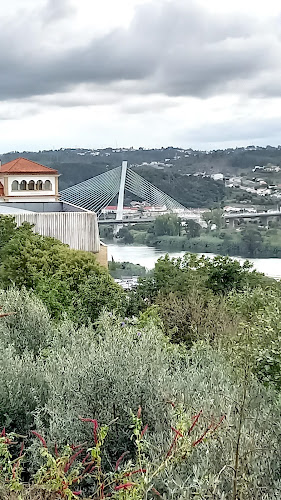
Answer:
(81, 96)
(242, 129)
(8, 112)
(135, 107)
(170, 48)
(56, 10)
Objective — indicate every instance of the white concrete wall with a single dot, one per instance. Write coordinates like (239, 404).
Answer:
(35, 178)
(79, 230)
(40, 198)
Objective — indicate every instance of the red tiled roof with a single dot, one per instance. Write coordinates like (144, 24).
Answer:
(24, 166)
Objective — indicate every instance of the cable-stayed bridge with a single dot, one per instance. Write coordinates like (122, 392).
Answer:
(98, 192)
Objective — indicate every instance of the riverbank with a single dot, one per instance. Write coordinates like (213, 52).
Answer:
(258, 245)
(249, 242)
(147, 257)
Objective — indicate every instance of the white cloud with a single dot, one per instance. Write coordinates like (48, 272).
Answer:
(139, 72)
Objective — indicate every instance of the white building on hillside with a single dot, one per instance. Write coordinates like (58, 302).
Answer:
(24, 180)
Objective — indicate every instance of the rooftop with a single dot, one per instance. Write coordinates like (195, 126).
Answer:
(24, 166)
(8, 210)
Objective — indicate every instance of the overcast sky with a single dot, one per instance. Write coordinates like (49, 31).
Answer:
(95, 73)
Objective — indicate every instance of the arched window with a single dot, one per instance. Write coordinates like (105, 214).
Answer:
(48, 186)
(31, 185)
(23, 186)
(1, 189)
(39, 185)
(15, 186)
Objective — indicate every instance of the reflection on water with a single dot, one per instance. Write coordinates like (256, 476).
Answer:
(147, 256)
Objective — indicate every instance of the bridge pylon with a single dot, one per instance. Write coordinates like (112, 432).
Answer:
(120, 205)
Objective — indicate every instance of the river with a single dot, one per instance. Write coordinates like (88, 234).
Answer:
(147, 256)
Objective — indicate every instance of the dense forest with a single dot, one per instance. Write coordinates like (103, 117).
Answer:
(171, 390)
(77, 165)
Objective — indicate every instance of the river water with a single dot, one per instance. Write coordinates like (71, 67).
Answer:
(147, 256)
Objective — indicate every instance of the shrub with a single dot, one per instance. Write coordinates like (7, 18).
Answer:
(23, 389)
(64, 470)
(30, 326)
(258, 337)
(196, 316)
(105, 374)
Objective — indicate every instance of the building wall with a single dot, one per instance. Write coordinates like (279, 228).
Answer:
(79, 230)
(30, 199)
(102, 256)
(35, 178)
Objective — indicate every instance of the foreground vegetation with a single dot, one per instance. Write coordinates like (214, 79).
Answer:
(196, 346)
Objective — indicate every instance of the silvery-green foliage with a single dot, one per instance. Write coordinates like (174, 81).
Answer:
(212, 386)
(22, 389)
(22, 381)
(258, 338)
(106, 373)
(30, 327)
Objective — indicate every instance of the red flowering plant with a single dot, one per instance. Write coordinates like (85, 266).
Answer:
(144, 473)
(134, 480)
(10, 468)
(63, 472)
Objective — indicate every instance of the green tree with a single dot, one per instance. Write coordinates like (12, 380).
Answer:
(214, 216)
(7, 229)
(98, 292)
(125, 234)
(52, 270)
(192, 228)
(252, 240)
(106, 232)
(220, 275)
(168, 224)
(224, 274)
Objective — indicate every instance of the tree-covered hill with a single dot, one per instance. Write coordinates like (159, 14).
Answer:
(167, 168)
(189, 190)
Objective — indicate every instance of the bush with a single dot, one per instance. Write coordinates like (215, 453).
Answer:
(23, 389)
(120, 269)
(30, 326)
(196, 316)
(104, 375)
(257, 337)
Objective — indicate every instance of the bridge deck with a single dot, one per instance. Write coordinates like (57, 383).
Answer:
(125, 221)
(253, 215)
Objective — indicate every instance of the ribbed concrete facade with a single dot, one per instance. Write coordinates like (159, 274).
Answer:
(79, 230)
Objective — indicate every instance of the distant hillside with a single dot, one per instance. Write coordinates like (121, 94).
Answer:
(167, 168)
(189, 190)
